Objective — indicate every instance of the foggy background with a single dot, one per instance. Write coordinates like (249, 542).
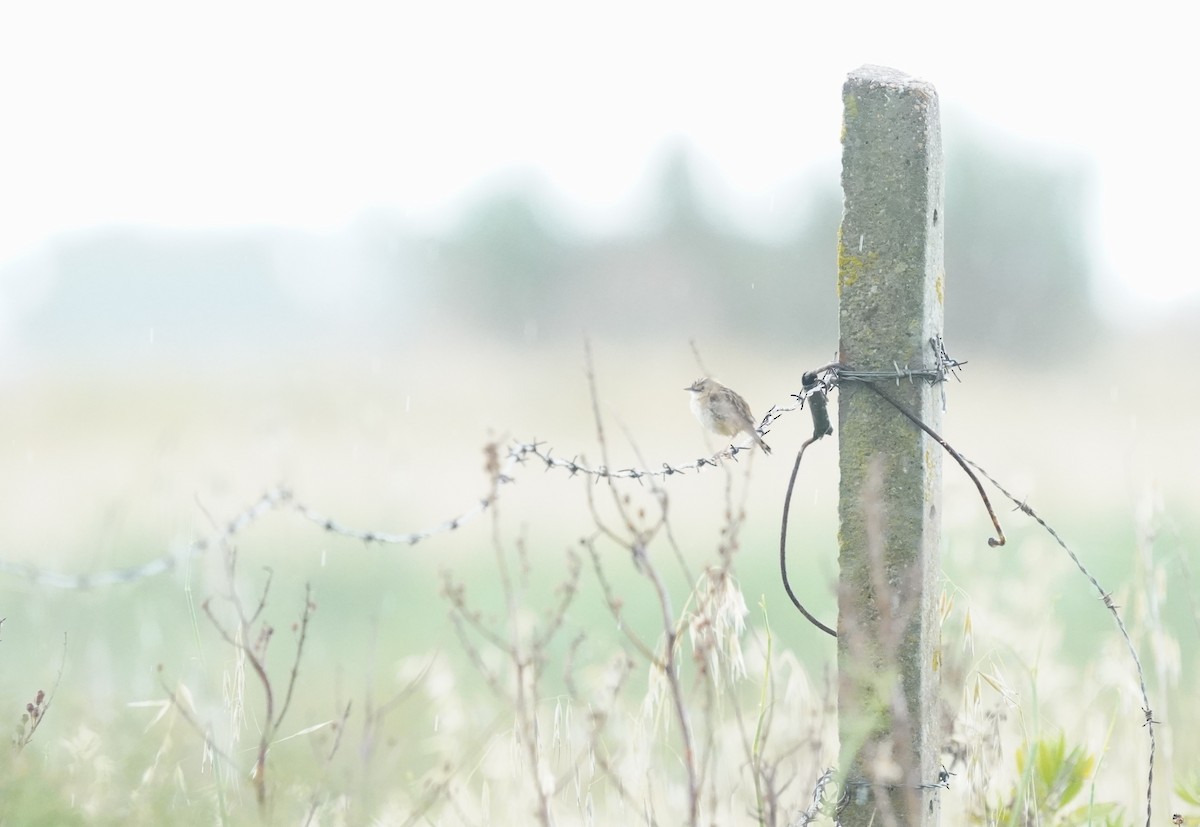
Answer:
(254, 178)
(343, 248)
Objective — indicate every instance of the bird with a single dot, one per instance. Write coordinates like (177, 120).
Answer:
(722, 411)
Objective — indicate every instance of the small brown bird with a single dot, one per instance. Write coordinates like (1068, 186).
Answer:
(722, 411)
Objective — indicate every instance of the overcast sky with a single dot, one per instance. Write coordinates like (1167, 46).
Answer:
(221, 114)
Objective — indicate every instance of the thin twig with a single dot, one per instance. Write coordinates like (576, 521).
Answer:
(305, 617)
(35, 711)
(637, 546)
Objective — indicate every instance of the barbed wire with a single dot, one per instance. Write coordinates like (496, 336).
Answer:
(821, 804)
(386, 538)
(816, 385)
(1113, 608)
(516, 453)
(943, 367)
(269, 501)
(280, 498)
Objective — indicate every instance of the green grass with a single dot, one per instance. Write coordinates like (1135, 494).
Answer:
(423, 724)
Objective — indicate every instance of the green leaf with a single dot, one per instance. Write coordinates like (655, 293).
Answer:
(1058, 775)
(1188, 788)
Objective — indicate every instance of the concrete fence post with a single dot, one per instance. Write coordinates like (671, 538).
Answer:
(890, 287)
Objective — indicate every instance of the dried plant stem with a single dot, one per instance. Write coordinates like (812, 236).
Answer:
(636, 543)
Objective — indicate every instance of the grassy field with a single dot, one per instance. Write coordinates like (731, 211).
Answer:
(156, 716)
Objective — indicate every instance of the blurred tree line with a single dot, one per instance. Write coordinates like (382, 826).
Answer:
(1017, 262)
(1018, 267)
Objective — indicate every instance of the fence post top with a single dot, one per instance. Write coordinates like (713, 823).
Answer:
(884, 74)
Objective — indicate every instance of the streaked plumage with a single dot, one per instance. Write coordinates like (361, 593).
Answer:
(723, 411)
